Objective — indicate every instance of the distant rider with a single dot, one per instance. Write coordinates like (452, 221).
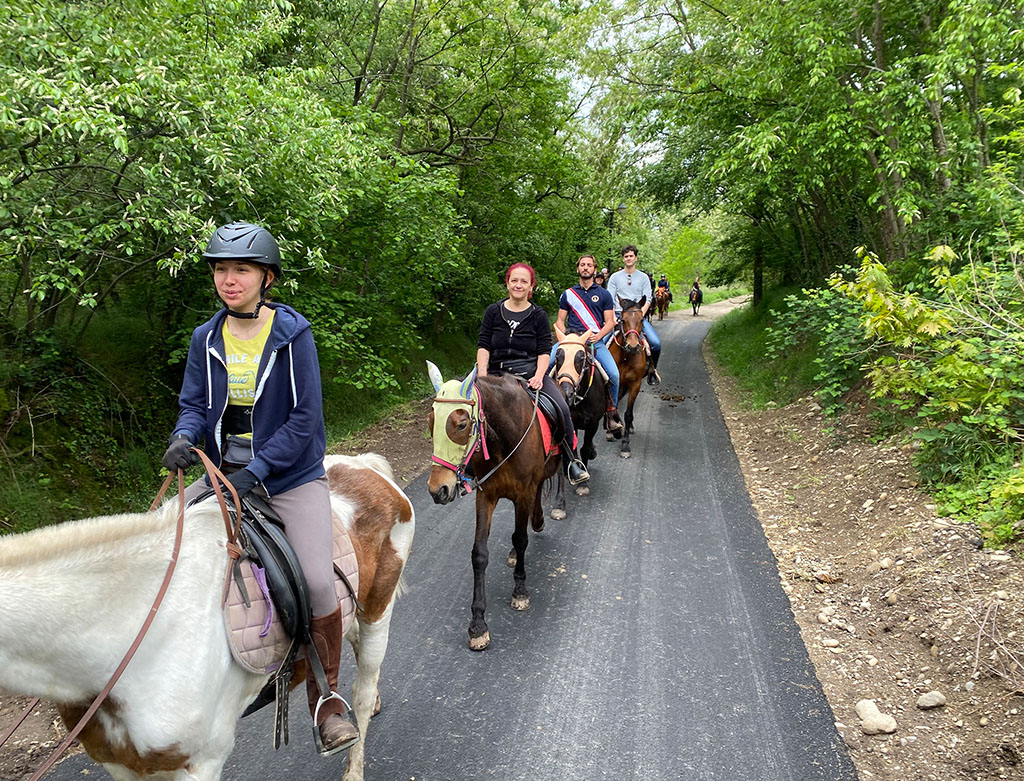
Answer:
(663, 282)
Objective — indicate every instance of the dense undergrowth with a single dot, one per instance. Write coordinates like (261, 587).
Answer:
(84, 429)
(940, 356)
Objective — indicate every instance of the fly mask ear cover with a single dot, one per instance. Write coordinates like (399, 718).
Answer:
(454, 395)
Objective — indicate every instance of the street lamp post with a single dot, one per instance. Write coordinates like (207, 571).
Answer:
(620, 210)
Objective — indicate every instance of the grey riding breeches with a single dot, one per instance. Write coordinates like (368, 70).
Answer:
(306, 512)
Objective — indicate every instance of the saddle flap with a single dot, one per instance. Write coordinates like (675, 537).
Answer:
(273, 554)
(256, 635)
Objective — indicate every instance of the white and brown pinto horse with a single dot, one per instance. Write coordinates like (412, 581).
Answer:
(73, 596)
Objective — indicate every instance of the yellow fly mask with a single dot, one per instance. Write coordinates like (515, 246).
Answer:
(451, 396)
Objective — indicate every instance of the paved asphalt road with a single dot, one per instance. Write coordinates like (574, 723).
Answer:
(659, 644)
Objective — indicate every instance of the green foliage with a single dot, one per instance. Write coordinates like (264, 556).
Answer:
(404, 153)
(952, 363)
(739, 341)
(828, 327)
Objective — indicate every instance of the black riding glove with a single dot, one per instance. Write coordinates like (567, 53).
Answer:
(179, 455)
(244, 481)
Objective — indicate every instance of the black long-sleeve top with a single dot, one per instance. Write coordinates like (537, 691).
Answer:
(531, 338)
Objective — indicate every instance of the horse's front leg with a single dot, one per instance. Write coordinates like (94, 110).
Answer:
(373, 644)
(479, 637)
(558, 507)
(587, 452)
(520, 539)
(627, 421)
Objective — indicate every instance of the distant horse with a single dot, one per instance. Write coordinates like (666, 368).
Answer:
(486, 434)
(585, 390)
(661, 296)
(627, 349)
(73, 596)
(696, 297)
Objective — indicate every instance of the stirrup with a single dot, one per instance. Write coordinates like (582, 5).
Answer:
(318, 741)
(584, 474)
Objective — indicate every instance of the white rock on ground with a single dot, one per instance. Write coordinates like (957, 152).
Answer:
(931, 700)
(872, 720)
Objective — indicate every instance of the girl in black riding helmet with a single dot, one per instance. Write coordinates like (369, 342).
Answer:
(252, 392)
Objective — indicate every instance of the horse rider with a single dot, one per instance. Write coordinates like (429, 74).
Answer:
(663, 282)
(587, 308)
(696, 295)
(252, 391)
(515, 337)
(601, 278)
(632, 284)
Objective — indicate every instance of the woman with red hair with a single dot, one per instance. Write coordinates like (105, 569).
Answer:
(515, 337)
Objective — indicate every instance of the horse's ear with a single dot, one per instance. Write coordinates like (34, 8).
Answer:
(466, 389)
(622, 304)
(642, 301)
(435, 376)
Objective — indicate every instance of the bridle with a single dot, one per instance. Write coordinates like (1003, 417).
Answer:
(620, 330)
(576, 381)
(234, 551)
(478, 438)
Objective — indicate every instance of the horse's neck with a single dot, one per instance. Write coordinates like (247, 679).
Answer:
(69, 614)
(503, 407)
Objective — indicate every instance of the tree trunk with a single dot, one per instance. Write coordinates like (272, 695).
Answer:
(758, 268)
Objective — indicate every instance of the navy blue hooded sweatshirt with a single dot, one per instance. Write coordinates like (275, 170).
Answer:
(288, 437)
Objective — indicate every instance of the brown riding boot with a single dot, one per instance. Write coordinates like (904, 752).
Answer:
(332, 730)
(612, 421)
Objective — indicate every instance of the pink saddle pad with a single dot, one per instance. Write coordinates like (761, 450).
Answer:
(257, 640)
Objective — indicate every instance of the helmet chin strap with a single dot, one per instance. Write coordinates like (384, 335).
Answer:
(255, 313)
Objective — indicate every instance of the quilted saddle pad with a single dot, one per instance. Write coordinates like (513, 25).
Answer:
(256, 637)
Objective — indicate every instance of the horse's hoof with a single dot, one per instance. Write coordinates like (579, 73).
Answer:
(520, 603)
(610, 436)
(480, 643)
(557, 514)
(583, 490)
(625, 454)
(538, 526)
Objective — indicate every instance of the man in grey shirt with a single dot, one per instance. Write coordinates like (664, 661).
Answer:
(631, 284)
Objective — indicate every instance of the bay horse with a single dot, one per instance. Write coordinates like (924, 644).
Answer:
(627, 348)
(72, 597)
(696, 297)
(487, 438)
(584, 388)
(661, 296)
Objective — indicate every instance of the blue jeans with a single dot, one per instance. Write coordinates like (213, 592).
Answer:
(654, 341)
(604, 357)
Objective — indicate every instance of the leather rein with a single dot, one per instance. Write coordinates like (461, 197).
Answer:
(234, 551)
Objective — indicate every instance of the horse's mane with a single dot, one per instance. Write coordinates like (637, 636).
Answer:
(81, 536)
(374, 461)
(504, 399)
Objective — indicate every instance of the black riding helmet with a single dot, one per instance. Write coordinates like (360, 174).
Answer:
(249, 243)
